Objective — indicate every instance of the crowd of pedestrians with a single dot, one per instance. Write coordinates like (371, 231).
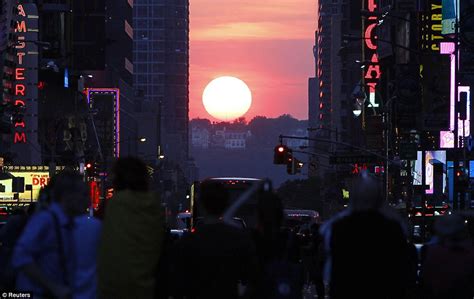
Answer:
(56, 250)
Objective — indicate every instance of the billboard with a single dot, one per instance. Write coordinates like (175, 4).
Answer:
(36, 177)
(450, 8)
(431, 157)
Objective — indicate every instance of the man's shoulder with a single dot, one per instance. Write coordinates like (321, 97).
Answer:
(43, 216)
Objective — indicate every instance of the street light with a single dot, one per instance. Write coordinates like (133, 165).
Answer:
(357, 112)
(129, 142)
(382, 15)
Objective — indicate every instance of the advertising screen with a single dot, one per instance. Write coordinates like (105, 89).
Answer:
(449, 16)
(37, 180)
(431, 157)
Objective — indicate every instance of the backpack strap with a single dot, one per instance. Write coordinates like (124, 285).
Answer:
(59, 239)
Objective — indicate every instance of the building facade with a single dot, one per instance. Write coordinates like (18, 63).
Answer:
(161, 75)
(331, 98)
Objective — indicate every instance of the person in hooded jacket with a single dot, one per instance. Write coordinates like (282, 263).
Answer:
(132, 235)
(368, 255)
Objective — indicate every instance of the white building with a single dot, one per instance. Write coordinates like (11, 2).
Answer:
(235, 140)
(199, 137)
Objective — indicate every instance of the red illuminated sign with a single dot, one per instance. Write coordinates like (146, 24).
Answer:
(20, 85)
(358, 168)
(372, 70)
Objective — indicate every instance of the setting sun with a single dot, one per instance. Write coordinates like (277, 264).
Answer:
(227, 98)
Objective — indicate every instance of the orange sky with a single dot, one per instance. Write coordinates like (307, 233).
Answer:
(266, 43)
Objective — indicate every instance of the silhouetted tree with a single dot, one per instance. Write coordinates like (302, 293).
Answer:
(201, 123)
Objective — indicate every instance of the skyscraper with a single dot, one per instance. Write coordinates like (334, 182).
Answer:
(337, 72)
(161, 74)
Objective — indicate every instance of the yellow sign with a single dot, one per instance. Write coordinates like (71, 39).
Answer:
(37, 180)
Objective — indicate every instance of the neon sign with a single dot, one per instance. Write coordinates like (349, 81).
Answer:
(19, 86)
(372, 72)
(107, 101)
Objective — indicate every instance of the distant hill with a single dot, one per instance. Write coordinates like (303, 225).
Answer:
(256, 159)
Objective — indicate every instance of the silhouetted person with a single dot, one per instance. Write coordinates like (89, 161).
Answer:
(278, 252)
(317, 260)
(132, 235)
(9, 234)
(367, 249)
(448, 262)
(215, 259)
(57, 252)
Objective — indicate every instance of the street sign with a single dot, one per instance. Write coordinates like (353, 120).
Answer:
(354, 159)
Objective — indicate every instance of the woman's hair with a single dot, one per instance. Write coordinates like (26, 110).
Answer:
(66, 183)
(70, 190)
(130, 173)
(366, 193)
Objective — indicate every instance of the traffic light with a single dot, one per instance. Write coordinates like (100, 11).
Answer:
(281, 153)
(89, 169)
(293, 165)
(461, 180)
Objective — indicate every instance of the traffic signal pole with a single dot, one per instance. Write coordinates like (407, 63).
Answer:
(384, 158)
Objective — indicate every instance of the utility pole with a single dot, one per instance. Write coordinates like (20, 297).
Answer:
(457, 197)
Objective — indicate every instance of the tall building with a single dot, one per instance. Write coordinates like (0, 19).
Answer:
(161, 75)
(337, 73)
(76, 46)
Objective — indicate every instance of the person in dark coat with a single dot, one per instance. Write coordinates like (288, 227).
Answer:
(448, 262)
(278, 252)
(217, 260)
(367, 248)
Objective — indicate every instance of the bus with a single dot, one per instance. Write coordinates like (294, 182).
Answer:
(297, 217)
(244, 213)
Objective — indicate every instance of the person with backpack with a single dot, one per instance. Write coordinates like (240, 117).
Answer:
(56, 254)
(132, 235)
(281, 273)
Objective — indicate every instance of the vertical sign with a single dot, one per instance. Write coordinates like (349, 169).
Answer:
(106, 101)
(434, 70)
(25, 83)
(372, 71)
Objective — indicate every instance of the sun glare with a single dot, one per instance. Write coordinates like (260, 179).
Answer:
(227, 98)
